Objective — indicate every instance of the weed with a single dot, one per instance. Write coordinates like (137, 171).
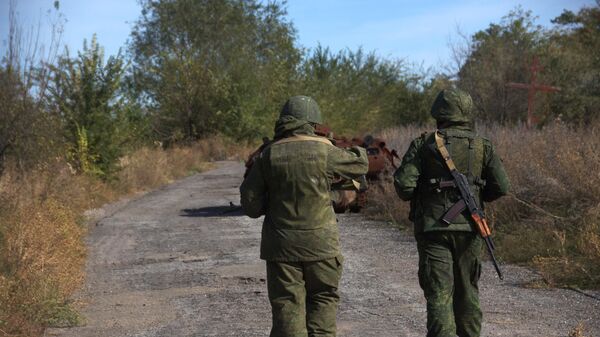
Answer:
(578, 331)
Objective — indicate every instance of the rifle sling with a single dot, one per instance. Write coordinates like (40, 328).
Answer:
(439, 141)
(459, 206)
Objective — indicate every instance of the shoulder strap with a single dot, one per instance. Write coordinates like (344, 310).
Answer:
(439, 141)
(303, 138)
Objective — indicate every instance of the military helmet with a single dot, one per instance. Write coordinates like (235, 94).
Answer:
(302, 107)
(452, 105)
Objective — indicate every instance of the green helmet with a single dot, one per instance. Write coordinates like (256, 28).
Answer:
(303, 108)
(452, 105)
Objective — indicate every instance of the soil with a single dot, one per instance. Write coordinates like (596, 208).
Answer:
(180, 261)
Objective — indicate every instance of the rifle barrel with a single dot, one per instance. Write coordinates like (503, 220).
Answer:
(490, 248)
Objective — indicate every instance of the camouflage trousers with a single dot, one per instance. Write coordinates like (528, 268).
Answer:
(304, 297)
(449, 271)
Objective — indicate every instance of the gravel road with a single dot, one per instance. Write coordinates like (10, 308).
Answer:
(173, 262)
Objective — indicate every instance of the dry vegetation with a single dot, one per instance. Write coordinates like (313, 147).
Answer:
(551, 219)
(42, 250)
(578, 331)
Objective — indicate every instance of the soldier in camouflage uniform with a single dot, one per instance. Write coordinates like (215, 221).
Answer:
(290, 183)
(449, 255)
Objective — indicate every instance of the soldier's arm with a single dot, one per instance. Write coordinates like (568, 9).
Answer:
(253, 192)
(496, 179)
(349, 164)
(407, 175)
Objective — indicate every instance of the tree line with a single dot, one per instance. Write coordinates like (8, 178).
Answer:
(193, 69)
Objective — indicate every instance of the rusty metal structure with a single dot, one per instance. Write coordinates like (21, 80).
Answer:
(533, 87)
(345, 194)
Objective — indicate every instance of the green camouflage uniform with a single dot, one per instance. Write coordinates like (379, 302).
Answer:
(449, 255)
(290, 183)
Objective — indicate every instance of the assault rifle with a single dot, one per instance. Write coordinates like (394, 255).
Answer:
(467, 201)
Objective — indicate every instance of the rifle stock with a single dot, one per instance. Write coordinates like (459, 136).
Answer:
(484, 231)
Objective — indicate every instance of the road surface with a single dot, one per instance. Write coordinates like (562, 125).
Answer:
(174, 263)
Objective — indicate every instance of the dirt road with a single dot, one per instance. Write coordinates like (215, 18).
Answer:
(172, 263)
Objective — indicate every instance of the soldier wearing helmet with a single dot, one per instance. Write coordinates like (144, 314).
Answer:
(289, 183)
(449, 254)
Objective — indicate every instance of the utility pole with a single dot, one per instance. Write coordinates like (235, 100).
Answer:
(533, 87)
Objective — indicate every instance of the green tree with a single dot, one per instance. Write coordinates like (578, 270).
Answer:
(497, 55)
(574, 45)
(209, 66)
(503, 53)
(84, 94)
(360, 92)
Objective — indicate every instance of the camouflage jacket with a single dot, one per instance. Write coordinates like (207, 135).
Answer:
(422, 177)
(290, 183)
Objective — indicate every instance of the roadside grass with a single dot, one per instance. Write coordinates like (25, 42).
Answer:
(42, 227)
(551, 219)
(578, 331)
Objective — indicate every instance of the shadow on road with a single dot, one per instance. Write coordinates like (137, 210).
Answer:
(212, 211)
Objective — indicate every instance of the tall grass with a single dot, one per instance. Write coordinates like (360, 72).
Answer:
(42, 228)
(551, 219)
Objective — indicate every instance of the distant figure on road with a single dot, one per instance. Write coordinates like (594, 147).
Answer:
(449, 254)
(289, 183)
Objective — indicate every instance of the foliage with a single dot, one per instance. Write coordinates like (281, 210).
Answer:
(504, 52)
(28, 136)
(212, 66)
(498, 55)
(360, 91)
(84, 95)
(575, 42)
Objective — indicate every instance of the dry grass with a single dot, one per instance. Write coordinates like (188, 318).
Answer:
(551, 220)
(578, 331)
(382, 200)
(152, 167)
(42, 251)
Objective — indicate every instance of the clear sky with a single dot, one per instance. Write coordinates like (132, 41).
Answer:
(418, 31)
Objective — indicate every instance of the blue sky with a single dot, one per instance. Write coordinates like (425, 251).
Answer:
(416, 31)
